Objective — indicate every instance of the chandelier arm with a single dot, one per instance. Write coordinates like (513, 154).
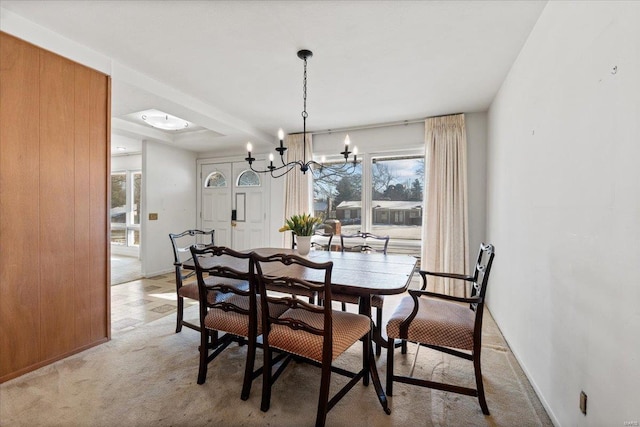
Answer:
(282, 159)
(290, 165)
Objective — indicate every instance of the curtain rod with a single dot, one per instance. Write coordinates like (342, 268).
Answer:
(380, 125)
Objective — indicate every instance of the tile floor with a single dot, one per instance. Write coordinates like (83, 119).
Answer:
(141, 301)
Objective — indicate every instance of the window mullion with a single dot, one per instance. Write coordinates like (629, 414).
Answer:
(366, 192)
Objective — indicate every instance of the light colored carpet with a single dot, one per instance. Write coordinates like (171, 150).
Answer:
(147, 377)
(124, 269)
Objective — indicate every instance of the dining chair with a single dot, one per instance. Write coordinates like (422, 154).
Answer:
(307, 332)
(223, 271)
(321, 240)
(181, 242)
(445, 323)
(362, 242)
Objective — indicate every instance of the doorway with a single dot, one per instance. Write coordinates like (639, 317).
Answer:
(125, 214)
(233, 201)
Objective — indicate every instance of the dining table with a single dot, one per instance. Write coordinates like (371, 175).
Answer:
(353, 273)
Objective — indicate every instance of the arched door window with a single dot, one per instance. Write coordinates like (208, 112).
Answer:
(215, 179)
(248, 178)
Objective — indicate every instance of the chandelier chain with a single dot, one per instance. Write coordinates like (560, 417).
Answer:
(304, 91)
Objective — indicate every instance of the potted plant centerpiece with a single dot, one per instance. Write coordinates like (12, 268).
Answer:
(302, 227)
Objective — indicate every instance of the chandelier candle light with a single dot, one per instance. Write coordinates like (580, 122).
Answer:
(303, 164)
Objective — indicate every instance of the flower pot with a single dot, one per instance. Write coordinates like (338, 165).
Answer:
(303, 244)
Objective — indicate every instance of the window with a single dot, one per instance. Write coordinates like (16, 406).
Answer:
(248, 178)
(215, 179)
(391, 205)
(125, 208)
(397, 185)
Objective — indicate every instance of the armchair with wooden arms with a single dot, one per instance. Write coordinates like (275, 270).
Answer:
(445, 323)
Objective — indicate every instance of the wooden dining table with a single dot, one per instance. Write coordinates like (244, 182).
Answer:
(354, 273)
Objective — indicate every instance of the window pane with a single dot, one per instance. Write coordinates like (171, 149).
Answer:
(215, 179)
(119, 198)
(248, 179)
(397, 193)
(134, 237)
(135, 206)
(119, 236)
(337, 194)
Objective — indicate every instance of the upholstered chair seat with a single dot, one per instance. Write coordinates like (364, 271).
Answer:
(348, 328)
(438, 322)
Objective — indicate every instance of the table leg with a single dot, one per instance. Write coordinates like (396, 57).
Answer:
(365, 308)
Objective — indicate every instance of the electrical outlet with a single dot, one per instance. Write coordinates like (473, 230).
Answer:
(583, 402)
(153, 217)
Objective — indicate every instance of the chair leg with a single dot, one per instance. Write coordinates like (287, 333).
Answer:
(323, 399)
(344, 306)
(390, 351)
(404, 347)
(366, 349)
(204, 354)
(180, 313)
(248, 369)
(479, 385)
(266, 379)
(379, 326)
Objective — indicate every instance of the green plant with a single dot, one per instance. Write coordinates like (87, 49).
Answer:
(301, 225)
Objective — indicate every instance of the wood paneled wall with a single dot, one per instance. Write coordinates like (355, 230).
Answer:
(54, 169)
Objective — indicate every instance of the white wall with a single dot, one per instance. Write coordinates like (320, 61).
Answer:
(564, 210)
(124, 163)
(169, 189)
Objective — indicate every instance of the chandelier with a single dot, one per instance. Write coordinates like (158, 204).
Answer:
(303, 164)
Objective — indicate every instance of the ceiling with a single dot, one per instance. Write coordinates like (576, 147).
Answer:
(231, 68)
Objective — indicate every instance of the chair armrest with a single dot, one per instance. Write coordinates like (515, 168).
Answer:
(415, 294)
(454, 276)
(449, 275)
(419, 292)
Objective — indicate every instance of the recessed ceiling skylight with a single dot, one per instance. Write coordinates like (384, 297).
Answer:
(164, 121)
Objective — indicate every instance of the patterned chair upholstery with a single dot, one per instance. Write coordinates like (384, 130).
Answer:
(309, 332)
(445, 323)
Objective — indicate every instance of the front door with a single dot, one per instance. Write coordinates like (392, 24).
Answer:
(234, 203)
(249, 201)
(215, 201)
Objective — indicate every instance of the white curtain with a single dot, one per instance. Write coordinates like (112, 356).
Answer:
(297, 193)
(445, 229)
